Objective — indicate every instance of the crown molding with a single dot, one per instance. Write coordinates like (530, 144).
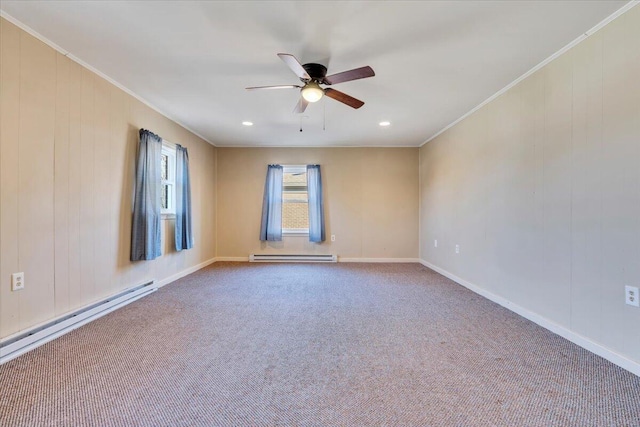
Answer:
(566, 48)
(74, 58)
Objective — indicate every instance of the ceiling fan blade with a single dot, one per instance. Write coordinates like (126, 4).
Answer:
(295, 65)
(301, 106)
(346, 76)
(344, 98)
(274, 87)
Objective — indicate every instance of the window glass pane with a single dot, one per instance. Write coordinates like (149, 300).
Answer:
(295, 197)
(294, 179)
(164, 167)
(295, 214)
(165, 197)
(295, 206)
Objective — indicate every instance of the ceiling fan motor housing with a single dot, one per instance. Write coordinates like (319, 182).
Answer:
(317, 72)
(313, 75)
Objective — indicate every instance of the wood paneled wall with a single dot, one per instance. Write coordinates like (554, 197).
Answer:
(68, 140)
(541, 190)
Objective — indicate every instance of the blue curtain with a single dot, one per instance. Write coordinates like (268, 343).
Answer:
(316, 204)
(145, 230)
(184, 232)
(271, 225)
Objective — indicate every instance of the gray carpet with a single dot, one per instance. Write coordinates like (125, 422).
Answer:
(242, 344)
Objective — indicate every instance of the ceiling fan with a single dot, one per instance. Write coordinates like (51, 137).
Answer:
(313, 75)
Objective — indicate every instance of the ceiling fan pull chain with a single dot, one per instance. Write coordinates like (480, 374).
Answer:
(324, 115)
(312, 75)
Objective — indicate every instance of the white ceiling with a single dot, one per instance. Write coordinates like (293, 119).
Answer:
(434, 60)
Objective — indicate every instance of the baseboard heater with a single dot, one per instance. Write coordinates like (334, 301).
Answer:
(13, 346)
(292, 258)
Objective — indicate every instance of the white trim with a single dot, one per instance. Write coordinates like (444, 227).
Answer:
(582, 37)
(340, 259)
(293, 258)
(295, 232)
(31, 31)
(317, 146)
(584, 342)
(185, 272)
(61, 325)
(69, 55)
(375, 260)
(232, 259)
(563, 50)
(294, 168)
(169, 149)
(171, 145)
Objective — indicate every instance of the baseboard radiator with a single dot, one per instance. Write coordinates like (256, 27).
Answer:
(16, 345)
(292, 258)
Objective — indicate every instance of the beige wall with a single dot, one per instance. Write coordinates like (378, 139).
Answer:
(370, 195)
(541, 190)
(67, 153)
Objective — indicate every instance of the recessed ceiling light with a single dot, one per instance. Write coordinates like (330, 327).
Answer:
(385, 123)
(247, 123)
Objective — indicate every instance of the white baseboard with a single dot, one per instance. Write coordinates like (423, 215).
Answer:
(185, 272)
(340, 259)
(26, 340)
(391, 260)
(584, 342)
(65, 323)
(233, 258)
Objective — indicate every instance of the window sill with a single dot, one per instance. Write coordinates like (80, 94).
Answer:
(295, 233)
(167, 216)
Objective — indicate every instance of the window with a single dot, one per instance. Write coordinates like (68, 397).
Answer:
(168, 176)
(295, 201)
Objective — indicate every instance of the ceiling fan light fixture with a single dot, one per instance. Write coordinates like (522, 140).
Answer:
(312, 92)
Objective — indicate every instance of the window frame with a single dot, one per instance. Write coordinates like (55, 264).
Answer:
(294, 169)
(169, 150)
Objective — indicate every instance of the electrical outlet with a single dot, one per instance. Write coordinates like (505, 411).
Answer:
(17, 281)
(457, 249)
(333, 237)
(435, 243)
(631, 296)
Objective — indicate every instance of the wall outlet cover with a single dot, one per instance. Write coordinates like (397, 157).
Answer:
(17, 281)
(631, 296)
